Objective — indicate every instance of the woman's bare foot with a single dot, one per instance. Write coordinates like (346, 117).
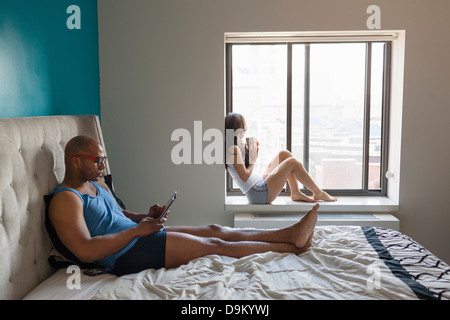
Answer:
(322, 195)
(300, 196)
(303, 230)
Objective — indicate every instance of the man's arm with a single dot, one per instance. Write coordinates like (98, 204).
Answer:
(66, 216)
(154, 212)
(136, 217)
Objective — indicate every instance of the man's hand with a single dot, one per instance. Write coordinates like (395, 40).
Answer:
(156, 211)
(149, 225)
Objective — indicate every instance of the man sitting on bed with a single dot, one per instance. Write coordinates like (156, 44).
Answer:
(91, 225)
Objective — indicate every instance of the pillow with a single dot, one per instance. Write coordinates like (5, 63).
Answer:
(109, 183)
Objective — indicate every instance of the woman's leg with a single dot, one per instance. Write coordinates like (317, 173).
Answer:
(290, 166)
(296, 194)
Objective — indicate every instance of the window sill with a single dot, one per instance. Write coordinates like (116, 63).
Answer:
(284, 204)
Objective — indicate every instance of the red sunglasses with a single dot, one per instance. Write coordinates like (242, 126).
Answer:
(99, 160)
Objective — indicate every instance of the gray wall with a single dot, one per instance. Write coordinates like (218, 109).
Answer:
(162, 68)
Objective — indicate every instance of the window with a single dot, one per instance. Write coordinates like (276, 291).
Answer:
(323, 97)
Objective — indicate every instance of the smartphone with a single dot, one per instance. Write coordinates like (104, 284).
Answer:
(169, 203)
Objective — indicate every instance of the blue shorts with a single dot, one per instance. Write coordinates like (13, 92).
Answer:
(148, 252)
(259, 193)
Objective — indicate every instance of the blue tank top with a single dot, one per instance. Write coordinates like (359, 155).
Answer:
(103, 216)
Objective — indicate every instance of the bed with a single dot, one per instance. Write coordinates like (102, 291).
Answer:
(343, 262)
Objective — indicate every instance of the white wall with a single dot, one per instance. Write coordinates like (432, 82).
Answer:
(162, 68)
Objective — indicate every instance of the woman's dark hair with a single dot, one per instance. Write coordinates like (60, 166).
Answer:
(235, 121)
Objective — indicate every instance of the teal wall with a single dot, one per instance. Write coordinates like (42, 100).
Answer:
(45, 68)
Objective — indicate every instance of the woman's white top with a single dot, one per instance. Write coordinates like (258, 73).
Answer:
(244, 185)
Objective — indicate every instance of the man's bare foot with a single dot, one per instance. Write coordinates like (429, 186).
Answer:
(300, 196)
(306, 246)
(322, 195)
(304, 229)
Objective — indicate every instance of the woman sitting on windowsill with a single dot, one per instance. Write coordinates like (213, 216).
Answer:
(241, 156)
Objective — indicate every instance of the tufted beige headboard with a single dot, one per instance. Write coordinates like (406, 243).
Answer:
(31, 165)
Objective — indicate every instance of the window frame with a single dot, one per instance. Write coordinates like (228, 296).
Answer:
(386, 93)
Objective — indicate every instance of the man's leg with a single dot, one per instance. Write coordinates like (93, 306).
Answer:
(183, 247)
(296, 234)
(215, 239)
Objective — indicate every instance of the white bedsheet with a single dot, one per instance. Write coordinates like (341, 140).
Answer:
(340, 264)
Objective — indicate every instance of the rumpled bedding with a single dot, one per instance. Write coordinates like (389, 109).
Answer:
(343, 262)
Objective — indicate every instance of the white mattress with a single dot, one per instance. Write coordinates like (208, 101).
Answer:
(56, 287)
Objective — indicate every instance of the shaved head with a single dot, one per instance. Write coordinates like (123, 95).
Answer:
(79, 145)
